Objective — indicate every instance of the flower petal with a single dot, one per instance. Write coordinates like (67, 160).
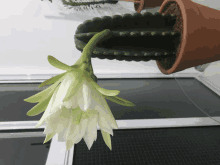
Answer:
(108, 112)
(88, 140)
(102, 106)
(49, 136)
(69, 144)
(64, 87)
(86, 89)
(63, 120)
(74, 123)
(76, 79)
(80, 99)
(91, 131)
(83, 125)
(62, 135)
(104, 123)
(84, 96)
(107, 139)
(47, 111)
(71, 103)
(72, 141)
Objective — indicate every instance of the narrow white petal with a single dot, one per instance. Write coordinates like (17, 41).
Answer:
(73, 128)
(74, 131)
(83, 125)
(63, 120)
(86, 95)
(48, 109)
(69, 144)
(91, 130)
(99, 102)
(62, 135)
(104, 123)
(102, 106)
(72, 103)
(80, 98)
(77, 139)
(49, 129)
(88, 140)
(64, 87)
(108, 112)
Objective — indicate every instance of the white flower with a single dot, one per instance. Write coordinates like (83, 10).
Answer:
(75, 109)
(75, 103)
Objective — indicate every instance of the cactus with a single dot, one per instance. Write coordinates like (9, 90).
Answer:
(137, 37)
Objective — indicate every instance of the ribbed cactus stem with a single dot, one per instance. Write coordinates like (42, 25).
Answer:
(78, 3)
(137, 37)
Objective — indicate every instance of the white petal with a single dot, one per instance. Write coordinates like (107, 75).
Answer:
(73, 131)
(88, 140)
(49, 128)
(104, 123)
(80, 98)
(72, 103)
(92, 127)
(69, 144)
(91, 131)
(98, 102)
(64, 87)
(73, 128)
(62, 135)
(48, 109)
(108, 113)
(86, 95)
(77, 139)
(63, 120)
(83, 125)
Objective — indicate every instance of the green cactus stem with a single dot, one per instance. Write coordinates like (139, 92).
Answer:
(136, 37)
(79, 3)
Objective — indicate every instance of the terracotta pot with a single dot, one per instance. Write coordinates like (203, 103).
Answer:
(200, 35)
(143, 4)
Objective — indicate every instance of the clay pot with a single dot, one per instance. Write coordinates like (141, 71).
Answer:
(200, 35)
(139, 5)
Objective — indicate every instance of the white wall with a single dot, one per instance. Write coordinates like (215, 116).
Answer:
(32, 30)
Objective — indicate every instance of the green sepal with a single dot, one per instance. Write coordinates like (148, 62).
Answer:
(52, 80)
(100, 89)
(107, 139)
(120, 101)
(56, 63)
(41, 96)
(40, 107)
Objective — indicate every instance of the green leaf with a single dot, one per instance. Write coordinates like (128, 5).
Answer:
(51, 80)
(107, 139)
(56, 63)
(40, 107)
(41, 96)
(120, 101)
(100, 89)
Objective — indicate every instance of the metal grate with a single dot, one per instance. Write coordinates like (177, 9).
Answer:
(161, 146)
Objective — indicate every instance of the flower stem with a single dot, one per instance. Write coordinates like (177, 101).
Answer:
(85, 59)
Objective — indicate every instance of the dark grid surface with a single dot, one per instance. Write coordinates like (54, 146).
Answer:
(159, 146)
